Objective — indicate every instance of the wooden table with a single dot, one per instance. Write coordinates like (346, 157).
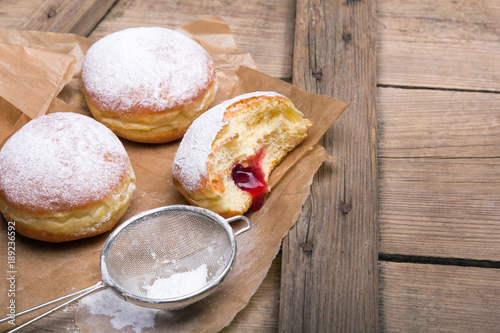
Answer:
(401, 233)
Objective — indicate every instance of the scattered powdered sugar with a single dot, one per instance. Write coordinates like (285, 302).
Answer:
(123, 313)
(178, 284)
(190, 162)
(61, 160)
(150, 67)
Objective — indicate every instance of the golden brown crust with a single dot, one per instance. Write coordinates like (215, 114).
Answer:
(75, 223)
(149, 126)
(34, 207)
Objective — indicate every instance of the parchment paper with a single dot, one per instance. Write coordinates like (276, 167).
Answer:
(40, 73)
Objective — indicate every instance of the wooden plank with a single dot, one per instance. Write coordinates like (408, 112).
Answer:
(440, 207)
(262, 28)
(261, 313)
(13, 13)
(438, 164)
(329, 264)
(78, 17)
(435, 298)
(453, 45)
(431, 123)
(439, 161)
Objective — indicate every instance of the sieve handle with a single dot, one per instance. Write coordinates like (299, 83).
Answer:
(240, 217)
(79, 294)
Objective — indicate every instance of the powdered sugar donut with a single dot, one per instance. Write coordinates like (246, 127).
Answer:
(225, 158)
(148, 84)
(64, 176)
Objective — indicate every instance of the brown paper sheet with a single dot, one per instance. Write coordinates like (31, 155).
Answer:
(45, 271)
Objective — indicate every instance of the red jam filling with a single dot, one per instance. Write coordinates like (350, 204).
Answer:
(250, 178)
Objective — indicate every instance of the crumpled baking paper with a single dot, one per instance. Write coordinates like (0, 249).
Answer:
(40, 73)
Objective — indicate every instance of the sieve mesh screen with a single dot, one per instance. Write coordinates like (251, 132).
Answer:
(169, 242)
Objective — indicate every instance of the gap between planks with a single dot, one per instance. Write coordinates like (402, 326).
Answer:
(410, 87)
(398, 258)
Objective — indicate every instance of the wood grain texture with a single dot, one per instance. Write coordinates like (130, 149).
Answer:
(432, 123)
(329, 264)
(435, 298)
(439, 164)
(78, 17)
(440, 207)
(439, 167)
(455, 44)
(261, 313)
(13, 13)
(262, 28)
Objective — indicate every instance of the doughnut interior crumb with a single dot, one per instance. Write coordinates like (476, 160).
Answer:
(266, 122)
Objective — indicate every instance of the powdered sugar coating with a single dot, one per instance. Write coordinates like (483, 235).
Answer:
(190, 162)
(147, 67)
(60, 161)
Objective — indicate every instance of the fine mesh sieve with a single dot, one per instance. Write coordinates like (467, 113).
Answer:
(159, 245)
(162, 242)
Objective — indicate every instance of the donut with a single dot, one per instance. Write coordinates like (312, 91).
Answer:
(224, 160)
(148, 84)
(64, 176)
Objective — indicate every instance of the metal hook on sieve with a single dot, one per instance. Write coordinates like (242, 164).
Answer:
(196, 225)
(240, 217)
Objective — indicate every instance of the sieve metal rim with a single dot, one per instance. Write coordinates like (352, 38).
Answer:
(177, 302)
